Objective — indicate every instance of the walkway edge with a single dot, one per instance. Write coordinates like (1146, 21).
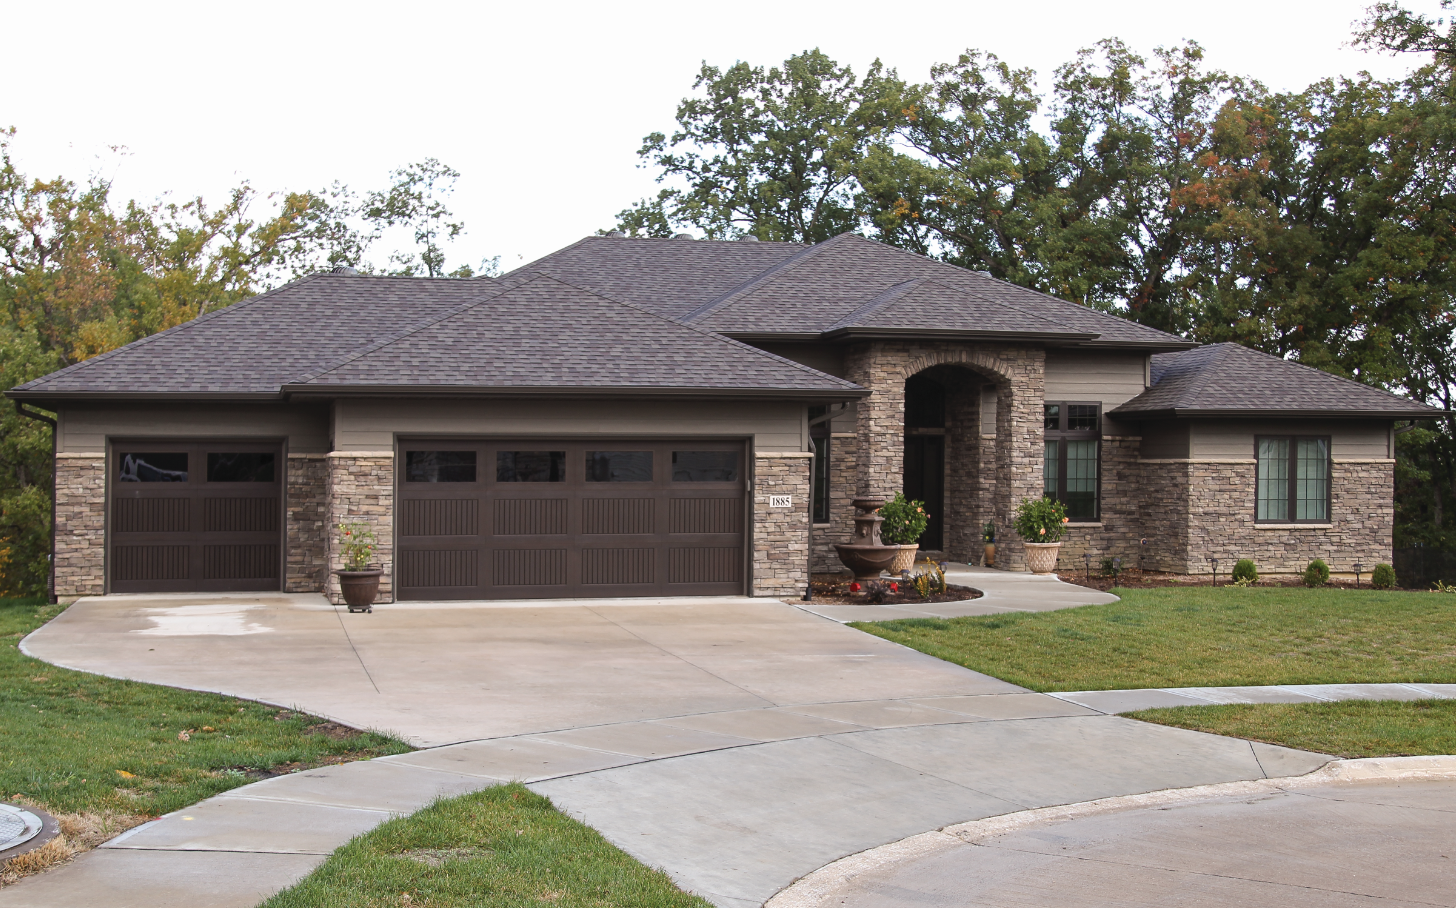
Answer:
(816, 889)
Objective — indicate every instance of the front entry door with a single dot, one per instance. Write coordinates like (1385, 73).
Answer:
(925, 481)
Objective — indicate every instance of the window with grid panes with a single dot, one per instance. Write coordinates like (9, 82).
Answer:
(1072, 470)
(1293, 479)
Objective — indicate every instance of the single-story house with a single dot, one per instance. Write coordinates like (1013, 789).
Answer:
(676, 416)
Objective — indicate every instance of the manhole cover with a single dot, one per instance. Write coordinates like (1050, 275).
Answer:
(23, 828)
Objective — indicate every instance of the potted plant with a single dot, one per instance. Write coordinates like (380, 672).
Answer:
(1039, 522)
(905, 520)
(988, 536)
(358, 581)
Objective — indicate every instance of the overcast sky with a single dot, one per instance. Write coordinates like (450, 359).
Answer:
(541, 106)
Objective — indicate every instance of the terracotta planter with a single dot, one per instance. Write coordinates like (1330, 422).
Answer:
(990, 559)
(1041, 557)
(360, 588)
(905, 560)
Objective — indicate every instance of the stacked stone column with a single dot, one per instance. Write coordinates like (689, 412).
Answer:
(781, 535)
(361, 490)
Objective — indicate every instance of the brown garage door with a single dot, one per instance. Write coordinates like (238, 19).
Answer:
(532, 519)
(195, 516)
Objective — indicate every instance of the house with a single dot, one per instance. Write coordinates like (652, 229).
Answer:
(669, 416)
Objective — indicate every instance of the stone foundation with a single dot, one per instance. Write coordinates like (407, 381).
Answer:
(361, 490)
(307, 528)
(842, 461)
(780, 535)
(1119, 532)
(80, 525)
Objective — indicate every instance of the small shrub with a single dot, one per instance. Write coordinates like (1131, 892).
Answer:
(930, 582)
(1040, 519)
(1317, 574)
(1383, 577)
(905, 520)
(1245, 571)
(1111, 567)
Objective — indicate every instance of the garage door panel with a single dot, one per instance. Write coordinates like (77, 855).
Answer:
(195, 516)
(440, 568)
(627, 517)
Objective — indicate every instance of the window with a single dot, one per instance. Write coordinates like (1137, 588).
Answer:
(1071, 473)
(439, 466)
(244, 467)
(159, 467)
(530, 466)
(704, 466)
(618, 466)
(1293, 480)
(820, 436)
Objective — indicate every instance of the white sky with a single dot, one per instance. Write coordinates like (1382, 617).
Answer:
(540, 106)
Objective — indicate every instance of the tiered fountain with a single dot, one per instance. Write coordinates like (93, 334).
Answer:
(867, 556)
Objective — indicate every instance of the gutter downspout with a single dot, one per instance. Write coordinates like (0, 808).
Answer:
(814, 449)
(51, 561)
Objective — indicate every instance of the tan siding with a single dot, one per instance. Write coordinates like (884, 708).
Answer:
(371, 425)
(1165, 441)
(84, 428)
(1111, 378)
(1234, 439)
(816, 356)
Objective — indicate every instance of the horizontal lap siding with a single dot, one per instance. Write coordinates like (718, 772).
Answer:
(1234, 439)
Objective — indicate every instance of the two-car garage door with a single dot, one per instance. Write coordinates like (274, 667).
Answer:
(513, 519)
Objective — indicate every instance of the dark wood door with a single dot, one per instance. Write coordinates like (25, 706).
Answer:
(195, 516)
(925, 481)
(534, 518)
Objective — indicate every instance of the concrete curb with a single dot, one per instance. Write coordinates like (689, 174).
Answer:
(817, 889)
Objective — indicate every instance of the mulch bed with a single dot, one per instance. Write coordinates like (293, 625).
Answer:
(1147, 580)
(837, 592)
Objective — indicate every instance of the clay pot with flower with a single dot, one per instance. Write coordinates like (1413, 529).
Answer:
(1039, 523)
(905, 521)
(358, 581)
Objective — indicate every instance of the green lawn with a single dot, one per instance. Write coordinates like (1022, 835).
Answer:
(75, 742)
(1352, 728)
(501, 847)
(1173, 637)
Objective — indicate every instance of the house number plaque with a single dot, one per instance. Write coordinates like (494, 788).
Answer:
(780, 501)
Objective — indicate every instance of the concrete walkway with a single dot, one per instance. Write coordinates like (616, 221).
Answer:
(737, 743)
(1004, 591)
(1356, 833)
(1126, 701)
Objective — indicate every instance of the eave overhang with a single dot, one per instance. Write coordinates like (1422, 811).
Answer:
(321, 393)
(1189, 413)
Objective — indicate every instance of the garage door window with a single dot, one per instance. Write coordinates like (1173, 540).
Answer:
(530, 466)
(247, 467)
(439, 466)
(618, 466)
(160, 467)
(704, 466)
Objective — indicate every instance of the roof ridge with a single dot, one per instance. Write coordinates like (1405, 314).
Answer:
(879, 301)
(761, 279)
(175, 329)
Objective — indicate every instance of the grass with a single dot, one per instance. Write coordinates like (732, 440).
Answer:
(504, 846)
(1351, 728)
(1205, 636)
(76, 743)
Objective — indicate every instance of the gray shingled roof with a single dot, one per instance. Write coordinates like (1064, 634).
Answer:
(256, 345)
(544, 333)
(1233, 380)
(672, 277)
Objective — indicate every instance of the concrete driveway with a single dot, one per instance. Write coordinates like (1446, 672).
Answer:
(737, 743)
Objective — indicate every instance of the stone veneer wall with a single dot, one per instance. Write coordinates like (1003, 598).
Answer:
(307, 528)
(1019, 373)
(780, 535)
(842, 463)
(1196, 511)
(361, 490)
(80, 525)
(965, 509)
(1121, 525)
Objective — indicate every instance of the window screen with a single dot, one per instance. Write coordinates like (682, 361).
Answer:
(439, 466)
(155, 467)
(530, 466)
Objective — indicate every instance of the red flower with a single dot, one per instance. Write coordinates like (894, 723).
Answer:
(854, 587)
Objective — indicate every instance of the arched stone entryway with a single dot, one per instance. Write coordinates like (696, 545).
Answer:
(1018, 374)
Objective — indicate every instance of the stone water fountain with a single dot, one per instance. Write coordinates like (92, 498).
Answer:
(867, 556)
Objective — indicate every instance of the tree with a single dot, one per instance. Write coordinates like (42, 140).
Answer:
(764, 152)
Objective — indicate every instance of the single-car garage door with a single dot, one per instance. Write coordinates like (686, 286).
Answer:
(524, 519)
(195, 516)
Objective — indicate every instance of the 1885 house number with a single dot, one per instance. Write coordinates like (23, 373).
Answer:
(780, 501)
